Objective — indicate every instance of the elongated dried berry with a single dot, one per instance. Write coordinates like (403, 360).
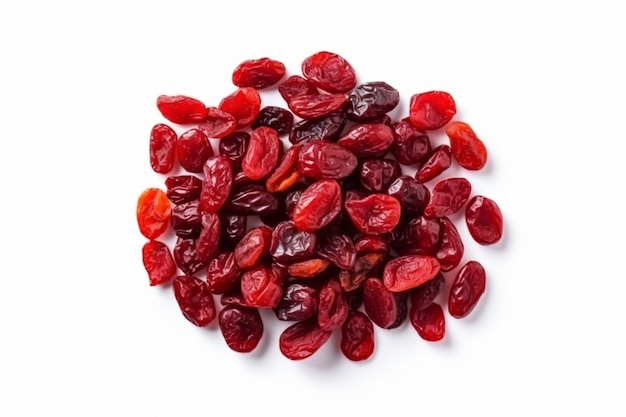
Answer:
(378, 174)
(380, 303)
(233, 147)
(234, 227)
(261, 286)
(252, 199)
(299, 303)
(332, 309)
(218, 123)
(193, 149)
(241, 327)
(467, 288)
(409, 271)
(279, 119)
(186, 219)
(412, 195)
(448, 197)
(308, 268)
(217, 184)
(375, 214)
(258, 73)
(318, 205)
(437, 162)
(195, 300)
(244, 104)
(158, 262)
(366, 265)
(321, 159)
(262, 154)
(286, 173)
(295, 86)
(254, 245)
(420, 236)
(330, 72)
(186, 256)
(411, 145)
(357, 337)
(429, 322)
(371, 101)
(467, 149)
(451, 247)
(153, 213)
(288, 244)
(368, 140)
(208, 241)
(223, 273)
(181, 109)
(303, 339)
(425, 294)
(484, 220)
(183, 188)
(431, 110)
(336, 246)
(322, 128)
(162, 148)
(318, 105)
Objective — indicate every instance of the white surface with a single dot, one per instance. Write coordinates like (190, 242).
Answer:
(82, 333)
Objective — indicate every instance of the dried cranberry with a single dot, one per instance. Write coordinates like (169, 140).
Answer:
(262, 153)
(162, 148)
(330, 72)
(193, 149)
(322, 159)
(195, 300)
(234, 227)
(425, 294)
(377, 174)
(261, 286)
(368, 140)
(222, 273)
(337, 247)
(303, 339)
(380, 304)
(366, 265)
(279, 119)
(467, 288)
(153, 213)
(467, 149)
(183, 188)
(286, 173)
(375, 214)
(233, 147)
(409, 271)
(322, 128)
(429, 322)
(186, 219)
(437, 162)
(258, 73)
(181, 109)
(411, 145)
(308, 268)
(218, 181)
(244, 104)
(288, 244)
(332, 307)
(451, 246)
(295, 86)
(412, 195)
(318, 205)
(241, 327)
(158, 262)
(218, 123)
(252, 199)
(186, 256)
(299, 302)
(484, 220)
(253, 246)
(448, 197)
(372, 100)
(431, 110)
(318, 105)
(357, 337)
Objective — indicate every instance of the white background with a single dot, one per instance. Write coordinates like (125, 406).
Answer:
(82, 333)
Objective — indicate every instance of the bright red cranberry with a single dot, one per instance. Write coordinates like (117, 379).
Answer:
(431, 110)
(467, 288)
(181, 109)
(330, 72)
(469, 151)
(484, 220)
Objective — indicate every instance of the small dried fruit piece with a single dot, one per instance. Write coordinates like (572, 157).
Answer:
(412, 145)
(467, 149)
(368, 140)
(241, 327)
(412, 195)
(218, 181)
(244, 104)
(332, 309)
(466, 290)
(451, 246)
(261, 286)
(378, 174)
(153, 212)
(303, 339)
(429, 322)
(218, 123)
(371, 101)
(262, 153)
(286, 173)
(186, 219)
(186, 256)
(336, 246)
(380, 304)
(183, 188)
(252, 199)
(318, 105)
(193, 149)
(299, 303)
(295, 86)
(366, 265)
(254, 245)
(330, 72)
(431, 110)
(420, 236)
(321, 159)
(279, 119)
(375, 214)
(288, 244)
(233, 147)
(322, 128)
(181, 109)
(439, 161)
(207, 244)
(484, 220)
(318, 205)
(425, 294)
(195, 300)
(448, 197)
(162, 148)
(308, 268)
(258, 73)
(222, 273)
(409, 271)
(158, 262)
(357, 337)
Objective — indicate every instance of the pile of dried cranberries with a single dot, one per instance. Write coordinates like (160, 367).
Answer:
(344, 238)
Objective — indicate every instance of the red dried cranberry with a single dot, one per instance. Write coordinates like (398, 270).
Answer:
(158, 262)
(162, 148)
(193, 149)
(330, 72)
(467, 149)
(195, 300)
(241, 327)
(258, 73)
(357, 337)
(181, 109)
(244, 104)
(484, 220)
(467, 288)
(431, 110)
(371, 101)
(153, 213)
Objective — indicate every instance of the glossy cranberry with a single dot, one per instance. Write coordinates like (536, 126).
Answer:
(448, 197)
(375, 214)
(371, 101)
(420, 236)
(233, 147)
(322, 128)
(234, 227)
(484, 220)
(217, 184)
(195, 300)
(330, 72)
(437, 162)
(193, 149)
(218, 123)
(429, 323)
(286, 173)
(181, 109)
(186, 256)
(309, 268)
(208, 241)
(357, 337)
(288, 244)
(223, 273)
(186, 219)
(451, 246)
(295, 86)
(467, 288)
(252, 199)
(183, 188)
(162, 148)
(336, 246)
(261, 286)
(253, 246)
(411, 145)
(241, 327)
(409, 271)
(318, 205)
(244, 104)
(412, 195)
(279, 119)
(370, 243)
(368, 140)
(332, 307)
(158, 262)
(317, 105)
(378, 174)
(303, 339)
(469, 151)
(425, 294)
(299, 303)
(262, 154)
(258, 73)
(321, 159)
(431, 110)
(379, 303)
(153, 213)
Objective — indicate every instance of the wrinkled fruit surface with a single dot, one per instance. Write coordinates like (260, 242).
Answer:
(330, 209)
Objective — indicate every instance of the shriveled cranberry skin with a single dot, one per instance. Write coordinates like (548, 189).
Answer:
(193, 149)
(425, 294)
(409, 271)
(162, 148)
(451, 247)
(429, 322)
(217, 184)
(332, 307)
(286, 173)
(261, 286)
(468, 150)
(420, 236)
(375, 214)
(368, 140)
(437, 162)
(252, 199)
(195, 300)
(378, 174)
(323, 128)
(467, 288)
(183, 188)
(258, 73)
(208, 242)
(318, 205)
(223, 273)
(153, 213)
(309, 268)
(318, 105)
(295, 86)
(330, 72)
(288, 244)
(321, 159)
(253, 246)
(233, 147)
(371, 101)
(366, 265)
(303, 339)
(357, 337)
(234, 227)
(262, 154)
(448, 197)
(336, 246)
(299, 303)
(186, 256)
(181, 109)
(158, 262)
(218, 123)
(380, 303)
(412, 195)
(411, 145)
(186, 219)
(279, 119)
(431, 110)
(370, 243)
(484, 220)
(244, 104)
(241, 327)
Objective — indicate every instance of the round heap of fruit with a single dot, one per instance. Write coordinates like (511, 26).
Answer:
(326, 231)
